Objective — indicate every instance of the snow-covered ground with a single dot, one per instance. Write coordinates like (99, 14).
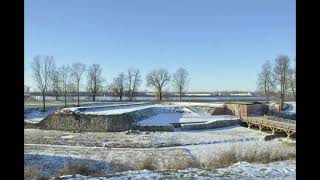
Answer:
(163, 117)
(118, 109)
(291, 108)
(174, 117)
(36, 115)
(106, 110)
(102, 108)
(118, 146)
(144, 139)
(50, 149)
(240, 170)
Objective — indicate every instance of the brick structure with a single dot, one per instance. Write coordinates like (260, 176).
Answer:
(252, 109)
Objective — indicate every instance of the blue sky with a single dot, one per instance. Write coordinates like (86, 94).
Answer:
(222, 43)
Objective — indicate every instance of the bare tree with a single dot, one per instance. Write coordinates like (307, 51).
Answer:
(56, 83)
(158, 79)
(292, 81)
(280, 72)
(94, 80)
(26, 89)
(129, 82)
(133, 81)
(72, 89)
(42, 71)
(265, 81)
(180, 81)
(77, 70)
(118, 85)
(136, 82)
(65, 73)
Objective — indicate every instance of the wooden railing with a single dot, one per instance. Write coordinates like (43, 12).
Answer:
(274, 124)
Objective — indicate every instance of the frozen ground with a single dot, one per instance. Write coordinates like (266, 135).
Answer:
(143, 139)
(118, 109)
(118, 152)
(51, 149)
(240, 170)
(36, 115)
(105, 110)
(291, 108)
(174, 117)
(165, 116)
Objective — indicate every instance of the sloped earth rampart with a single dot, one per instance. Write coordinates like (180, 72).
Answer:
(78, 122)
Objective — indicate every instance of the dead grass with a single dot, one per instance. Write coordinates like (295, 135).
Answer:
(149, 163)
(226, 158)
(185, 164)
(34, 172)
(77, 168)
(234, 155)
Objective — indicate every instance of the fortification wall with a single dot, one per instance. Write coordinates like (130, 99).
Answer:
(77, 121)
(211, 125)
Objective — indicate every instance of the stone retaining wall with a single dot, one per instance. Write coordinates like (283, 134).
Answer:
(86, 122)
(169, 128)
(210, 125)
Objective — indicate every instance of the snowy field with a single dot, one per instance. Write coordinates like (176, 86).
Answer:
(121, 154)
(50, 149)
(240, 170)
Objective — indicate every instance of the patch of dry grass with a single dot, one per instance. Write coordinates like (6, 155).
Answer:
(34, 172)
(234, 155)
(149, 163)
(79, 168)
(188, 163)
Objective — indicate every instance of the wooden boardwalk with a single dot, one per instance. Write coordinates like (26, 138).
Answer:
(275, 125)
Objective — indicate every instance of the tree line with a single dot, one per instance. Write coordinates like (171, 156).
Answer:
(278, 79)
(67, 78)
